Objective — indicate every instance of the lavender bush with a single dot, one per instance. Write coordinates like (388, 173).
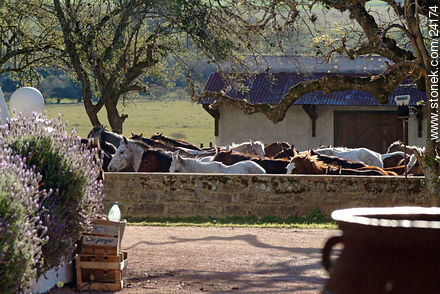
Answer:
(69, 169)
(21, 230)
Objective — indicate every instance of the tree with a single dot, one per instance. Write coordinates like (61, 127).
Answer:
(409, 39)
(26, 37)
(113, 47)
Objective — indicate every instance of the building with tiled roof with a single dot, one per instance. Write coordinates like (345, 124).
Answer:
(348, 118)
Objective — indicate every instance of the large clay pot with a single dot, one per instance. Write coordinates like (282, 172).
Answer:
(385, 250)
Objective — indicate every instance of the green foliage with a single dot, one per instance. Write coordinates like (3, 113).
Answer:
(21, 230)
(313, 219)
(69, 174)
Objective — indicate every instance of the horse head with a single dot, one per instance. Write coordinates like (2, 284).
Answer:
(123, 156)
(395, 146)
(177, 164)
(96, 131)
(136, 137)
(257, 148)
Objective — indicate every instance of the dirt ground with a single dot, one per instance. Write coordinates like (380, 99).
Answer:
(219, 260)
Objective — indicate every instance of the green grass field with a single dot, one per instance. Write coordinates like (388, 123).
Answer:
(179, 119)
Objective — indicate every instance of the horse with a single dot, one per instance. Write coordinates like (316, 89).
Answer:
(271, 166)
(364, 155)
(334, 160)
(192, 165)
(129, 153)
(399, 146)
(306, 163)
(99, 132)
(251, 147)
(286, 153)
(272, 149)
(152, 143)
(154, 160)
(393, 158)
(107, 144)
(413, 166)
(173, 142)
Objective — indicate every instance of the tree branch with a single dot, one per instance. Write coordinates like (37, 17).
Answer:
(380, 87)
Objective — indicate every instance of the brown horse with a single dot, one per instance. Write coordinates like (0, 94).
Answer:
(306, 163)
(334, 160)
(272, 149)
(286, 153)
(155, 161)
(171, 142)
(271, 166)
(152, 143)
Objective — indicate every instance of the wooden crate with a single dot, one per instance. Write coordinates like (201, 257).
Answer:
(100, 272)
(100, 245)
(105, 238)
(108, 228)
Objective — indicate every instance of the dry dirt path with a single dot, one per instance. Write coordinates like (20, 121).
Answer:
(222, 260)
(219, 260)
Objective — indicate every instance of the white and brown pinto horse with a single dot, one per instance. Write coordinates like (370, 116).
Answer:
(129, 153)
(180, 164)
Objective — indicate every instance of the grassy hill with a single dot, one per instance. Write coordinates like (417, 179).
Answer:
(178, 119)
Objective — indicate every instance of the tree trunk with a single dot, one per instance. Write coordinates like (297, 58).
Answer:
(113, 116)
(91, 110)
(429, 165)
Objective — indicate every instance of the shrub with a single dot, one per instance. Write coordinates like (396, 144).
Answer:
(21, 229)
(69, 169)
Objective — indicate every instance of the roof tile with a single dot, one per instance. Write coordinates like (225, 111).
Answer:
(261, 90)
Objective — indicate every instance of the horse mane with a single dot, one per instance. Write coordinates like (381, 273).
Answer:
(310, 164)
(398, 145)
(286, 153)
(395, 144)
(252, 143)
(151, 142)
(144, 145)
(246, 156)
(171, 142)
(96, 130)
(339, 161)
(160, 155)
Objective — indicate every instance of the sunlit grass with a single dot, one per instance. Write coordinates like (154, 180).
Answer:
(179, 119)
(314, 220)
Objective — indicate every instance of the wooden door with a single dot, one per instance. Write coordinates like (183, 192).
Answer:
(374, 130)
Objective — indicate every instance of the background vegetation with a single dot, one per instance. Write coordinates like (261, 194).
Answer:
(176, 118)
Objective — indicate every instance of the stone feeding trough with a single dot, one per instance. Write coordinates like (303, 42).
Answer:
(386, 250)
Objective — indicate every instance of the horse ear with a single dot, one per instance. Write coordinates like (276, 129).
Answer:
(141, 135)
(176, 154)
(132, 134)
(295, 152)
(125, 140)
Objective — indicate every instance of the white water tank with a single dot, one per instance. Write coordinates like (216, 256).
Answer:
(26, 100)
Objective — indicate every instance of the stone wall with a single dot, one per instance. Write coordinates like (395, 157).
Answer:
(219, 195)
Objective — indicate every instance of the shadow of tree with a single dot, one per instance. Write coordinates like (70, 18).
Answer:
(295, 274)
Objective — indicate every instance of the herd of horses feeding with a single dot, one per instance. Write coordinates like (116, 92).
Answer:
(163, 154)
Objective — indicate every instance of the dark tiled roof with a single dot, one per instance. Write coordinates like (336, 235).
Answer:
(264, 88)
